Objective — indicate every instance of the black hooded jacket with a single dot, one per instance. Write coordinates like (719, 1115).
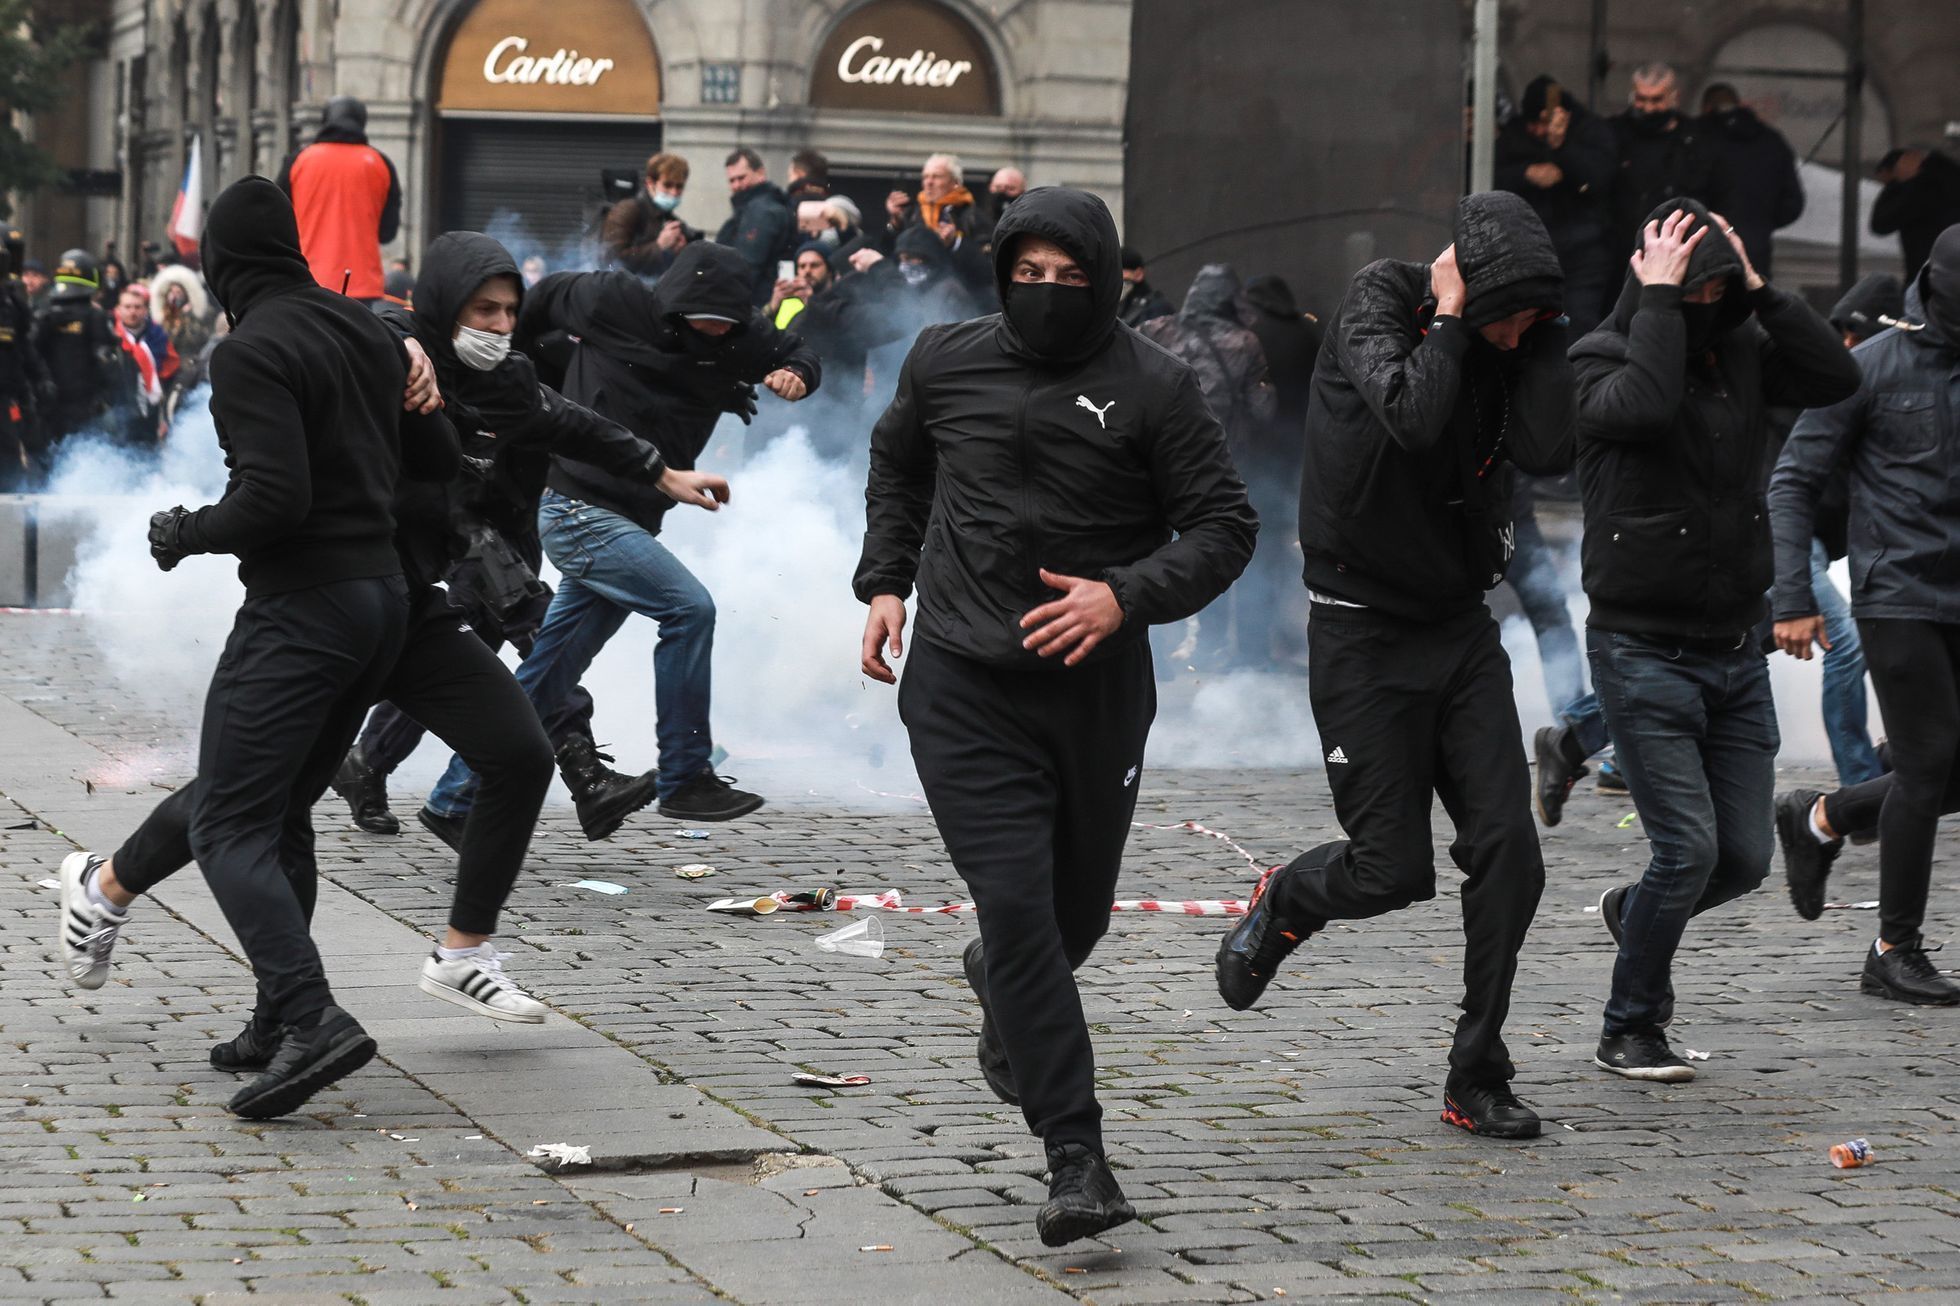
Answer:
(1405, 502)
(1919, 209)
(994, 461)
(306, 395)
(1758, 174)
(504, 417)
(639, 363)
(1673, 435)
(1899, 439)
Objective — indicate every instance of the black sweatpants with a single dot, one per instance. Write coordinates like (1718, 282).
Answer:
(1915, 667)
(1032, 777)
(448, 678)
(1408, 713)
(296, 676)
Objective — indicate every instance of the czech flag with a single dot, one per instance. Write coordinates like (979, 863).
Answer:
(187, 214)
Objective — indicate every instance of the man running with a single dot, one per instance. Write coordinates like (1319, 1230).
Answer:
(1029, 476)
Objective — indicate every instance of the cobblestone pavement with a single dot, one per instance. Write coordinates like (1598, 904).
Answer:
(1293, 1150)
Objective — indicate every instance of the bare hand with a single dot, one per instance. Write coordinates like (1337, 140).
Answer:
(1544, 175)
(884, 630)
(948, 233)
(1750, 276)
(1663, 261)
(672, 236)
(866, 258)
(787, 384)
(896, 204)
(784, 290)
(1797, 635)
(1085, 615)
(422, 394)
(702, 489)
(1446, 283)
(1556, 126)
(1907, 166)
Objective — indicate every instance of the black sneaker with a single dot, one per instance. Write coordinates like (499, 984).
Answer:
(254, 1046)
(1907, 974)
(366, 792)
(1611, 780)
(993, 1057)
(1083, 1198)
(449, 829)
(1806, 863)
(1251, 954)
(1642, 1054)
(709, 797)
(1557, 772)
(308, 1060)
(1612, 910)
(603, 797)
(1489, 1110)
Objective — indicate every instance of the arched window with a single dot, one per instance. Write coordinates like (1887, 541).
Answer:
(1766, 66)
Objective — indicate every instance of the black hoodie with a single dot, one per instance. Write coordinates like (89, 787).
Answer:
(1405, 502)
(640, 364)
(1673, 437)
(994, 461)
(504, 416)
(306, 395)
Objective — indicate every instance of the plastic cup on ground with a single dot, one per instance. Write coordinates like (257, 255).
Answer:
(861, 938)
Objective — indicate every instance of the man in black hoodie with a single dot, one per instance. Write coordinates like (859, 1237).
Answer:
(1899, 438)
(1028, 476)
(307, 397)
(1433, 381)
(466, 309)
(1673, 437)
(664, 362)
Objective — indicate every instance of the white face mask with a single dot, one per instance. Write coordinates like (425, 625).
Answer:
(482, 350)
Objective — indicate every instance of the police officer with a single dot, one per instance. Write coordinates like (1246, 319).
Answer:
(24, 384)
(78, 347)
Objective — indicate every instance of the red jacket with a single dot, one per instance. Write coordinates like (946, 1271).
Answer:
(348, 202)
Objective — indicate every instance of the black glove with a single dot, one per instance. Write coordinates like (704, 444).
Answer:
(478, 469)
(741, 402)
(167, 537)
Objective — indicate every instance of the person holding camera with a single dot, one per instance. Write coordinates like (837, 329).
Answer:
(642, 234)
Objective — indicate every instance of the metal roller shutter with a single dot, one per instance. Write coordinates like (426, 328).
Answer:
(534, 185)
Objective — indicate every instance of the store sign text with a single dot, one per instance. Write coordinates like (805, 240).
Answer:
(564, 68)
(921, 68)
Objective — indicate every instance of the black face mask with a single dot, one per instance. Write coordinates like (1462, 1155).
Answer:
(1650, 122)
(1700, 320)
(1051, 318)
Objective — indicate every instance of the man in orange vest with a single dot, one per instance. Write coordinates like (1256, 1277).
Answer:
(348, 201)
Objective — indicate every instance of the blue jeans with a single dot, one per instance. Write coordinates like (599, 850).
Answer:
(611, 569)
(1534, 576)
(1696, 738)
(1844, 679)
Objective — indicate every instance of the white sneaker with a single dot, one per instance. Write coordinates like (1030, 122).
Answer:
(88, 932)
(477, 981)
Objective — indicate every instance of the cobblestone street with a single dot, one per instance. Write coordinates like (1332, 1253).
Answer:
(1293, 1150)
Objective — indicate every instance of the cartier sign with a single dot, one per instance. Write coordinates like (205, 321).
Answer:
(574, 56)
(906, 56)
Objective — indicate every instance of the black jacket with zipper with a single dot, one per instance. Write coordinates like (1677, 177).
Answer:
(994, 462)
(638, 363)
(505, 417)
(1898, 439)
(1672, 446)
(1413, 422)
(306, 396)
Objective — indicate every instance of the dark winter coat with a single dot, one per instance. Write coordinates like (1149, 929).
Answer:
(994, 462)
(631, 235)
(1920, 209)
(1899, 437)
(1758, 173)
(1673, 434)
(1661, 157)
(1577, 209)
(1142, 301)
(1290, 341)
(639, 363)
(505, 418)
(306, 396)
(1414, 420)
(762, 230)
(1230, 365)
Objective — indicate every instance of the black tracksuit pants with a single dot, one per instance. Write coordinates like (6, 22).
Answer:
(449, 678)
(1915, 667)
(1032, 777)
(1409, 712)
(296, 676)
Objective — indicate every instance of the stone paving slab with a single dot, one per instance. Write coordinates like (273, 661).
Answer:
(1294, 1148)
